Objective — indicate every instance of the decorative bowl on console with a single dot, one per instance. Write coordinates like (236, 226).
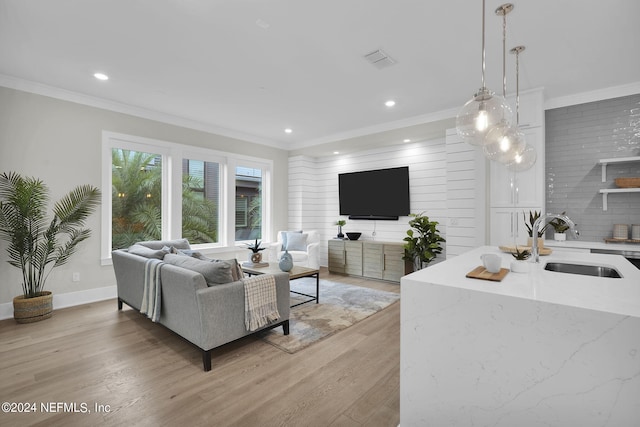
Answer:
(354, 236)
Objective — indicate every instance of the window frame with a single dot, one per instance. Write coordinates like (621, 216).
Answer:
(267, 182)
(172, 155)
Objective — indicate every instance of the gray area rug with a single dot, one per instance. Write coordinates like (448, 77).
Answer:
(340, 306)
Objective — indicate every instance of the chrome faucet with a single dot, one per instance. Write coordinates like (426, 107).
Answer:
(535, 250)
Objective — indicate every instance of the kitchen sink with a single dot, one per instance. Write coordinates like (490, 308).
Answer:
(585, 270)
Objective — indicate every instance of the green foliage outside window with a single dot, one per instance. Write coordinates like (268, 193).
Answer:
(137, 202)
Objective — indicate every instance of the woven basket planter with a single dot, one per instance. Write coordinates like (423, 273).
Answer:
(29, 310)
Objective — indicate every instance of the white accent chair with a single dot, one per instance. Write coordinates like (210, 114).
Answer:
(304, 247)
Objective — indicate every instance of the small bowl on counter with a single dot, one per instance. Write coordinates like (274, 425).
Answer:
(353, 236)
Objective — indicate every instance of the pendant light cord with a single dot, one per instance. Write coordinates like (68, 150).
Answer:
(516, 50)
(517, 88)
(483, 49)
(504, 55)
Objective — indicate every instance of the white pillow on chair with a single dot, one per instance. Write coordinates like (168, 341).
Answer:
(295, 241)
(283, 237)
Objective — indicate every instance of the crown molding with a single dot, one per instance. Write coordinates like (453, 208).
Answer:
(382, 127)
(92, 101)
(118, 107)
(592, 96)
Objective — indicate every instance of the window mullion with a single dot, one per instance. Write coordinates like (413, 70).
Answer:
(173, 206)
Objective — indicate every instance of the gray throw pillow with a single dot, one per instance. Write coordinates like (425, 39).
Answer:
(183, 252)
(147, 252)
(159, 244)
(236, 270)
(296, 241)
(218, 273)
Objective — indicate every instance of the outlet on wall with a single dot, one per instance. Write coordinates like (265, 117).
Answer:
(75, 277)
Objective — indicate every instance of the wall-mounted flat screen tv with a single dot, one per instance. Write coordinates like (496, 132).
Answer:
(375, 194)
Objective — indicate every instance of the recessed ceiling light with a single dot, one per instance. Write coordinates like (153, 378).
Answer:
(390, 103)
(262, 24)
(101, 76)
(288, 130)
(406, 140)
(336, 152)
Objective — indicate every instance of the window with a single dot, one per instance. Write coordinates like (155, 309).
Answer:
(136, 197)
(248, 203)
(200, 201)
(164, 190)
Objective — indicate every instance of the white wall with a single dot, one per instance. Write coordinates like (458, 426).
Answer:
(466, 195)
(313, 190)
(59, 142)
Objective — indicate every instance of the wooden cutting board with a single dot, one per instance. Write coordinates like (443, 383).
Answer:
(481, 273)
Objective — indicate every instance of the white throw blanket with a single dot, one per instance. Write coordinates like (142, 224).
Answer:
(152, 290)
(260, 301)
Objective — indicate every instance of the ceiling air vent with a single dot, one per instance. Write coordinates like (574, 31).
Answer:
(379, 59)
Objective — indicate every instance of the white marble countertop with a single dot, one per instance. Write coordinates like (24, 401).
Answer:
(580, 244)
(619, 296)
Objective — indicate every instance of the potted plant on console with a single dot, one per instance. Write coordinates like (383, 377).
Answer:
(423, 247)
(37, 245)
(340, 223)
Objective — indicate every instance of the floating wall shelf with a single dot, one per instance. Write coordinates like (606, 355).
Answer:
(606, 191)
(605, 162)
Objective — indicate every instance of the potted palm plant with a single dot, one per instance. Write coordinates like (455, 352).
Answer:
(37, 245)
(424, 246)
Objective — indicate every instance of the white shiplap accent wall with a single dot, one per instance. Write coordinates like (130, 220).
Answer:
(313, 190)
(301, 180)
(466, 195)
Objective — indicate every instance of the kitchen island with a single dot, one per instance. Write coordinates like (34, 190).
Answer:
(537, 348)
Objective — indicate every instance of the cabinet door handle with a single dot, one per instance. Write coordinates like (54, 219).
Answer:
(511, 183)
(511, 218)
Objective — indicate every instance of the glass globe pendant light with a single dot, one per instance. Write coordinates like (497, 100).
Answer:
(523, 161)
(484, 110)
(503, 141)
(527, 158)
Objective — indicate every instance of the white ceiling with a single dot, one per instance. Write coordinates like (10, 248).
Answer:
(250, 68)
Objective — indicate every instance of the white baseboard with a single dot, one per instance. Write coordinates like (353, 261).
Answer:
(69, 299)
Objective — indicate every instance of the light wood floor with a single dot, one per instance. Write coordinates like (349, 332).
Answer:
(94, 354)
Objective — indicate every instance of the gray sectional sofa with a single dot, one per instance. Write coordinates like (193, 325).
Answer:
(206, 314)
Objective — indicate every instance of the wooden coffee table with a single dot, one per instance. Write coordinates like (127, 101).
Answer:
(296, 272)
